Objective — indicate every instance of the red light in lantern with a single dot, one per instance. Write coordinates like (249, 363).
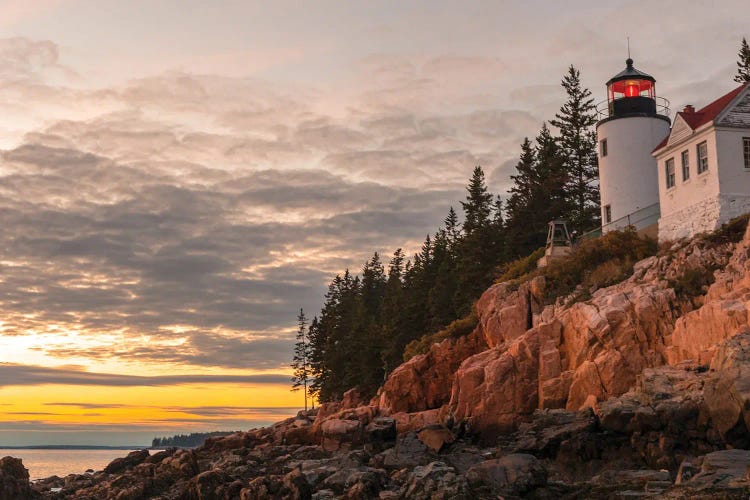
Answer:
(631, 89)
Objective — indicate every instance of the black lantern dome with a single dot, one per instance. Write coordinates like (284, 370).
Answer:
(631, 93)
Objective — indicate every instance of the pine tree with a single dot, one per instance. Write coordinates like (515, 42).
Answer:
(476, 253)
(743, 64)
(393, 313)
(577, 143)
(478, 204)
(301, 360)
(368, 335)
(552, 200)
(520, 203)
(452, 230)
(498, 230)
(538, 194)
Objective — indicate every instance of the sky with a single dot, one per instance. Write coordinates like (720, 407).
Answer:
(179, 178)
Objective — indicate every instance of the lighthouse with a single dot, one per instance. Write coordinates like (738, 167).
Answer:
(633, 121)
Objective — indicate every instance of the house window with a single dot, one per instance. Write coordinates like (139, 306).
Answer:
(702, 153)
(685, 156)
(669, 170)
(607, 214)
(603, 147)
(746, 151)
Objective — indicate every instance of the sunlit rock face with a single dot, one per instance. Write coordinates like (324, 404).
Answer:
(575, 355)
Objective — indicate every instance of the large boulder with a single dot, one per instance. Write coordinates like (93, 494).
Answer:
(436, 437)
(721, 474)
(505, 312)
(494, 387)
(14, 480)
(132, 459)
(727, 394)
(516, 474)
(424, 382)
(435, 480)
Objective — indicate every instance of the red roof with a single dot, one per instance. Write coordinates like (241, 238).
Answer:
(707, 114)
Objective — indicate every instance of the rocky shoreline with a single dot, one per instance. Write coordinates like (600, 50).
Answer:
(640, 389)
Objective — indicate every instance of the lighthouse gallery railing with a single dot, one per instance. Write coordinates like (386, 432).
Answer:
(640, 219)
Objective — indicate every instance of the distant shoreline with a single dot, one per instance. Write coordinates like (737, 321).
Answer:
(76, 447)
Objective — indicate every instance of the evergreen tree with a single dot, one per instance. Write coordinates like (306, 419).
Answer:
(393, 310)
(552, 201)
(537, 196)
(521, 201)
(318, 368)
(440, 297)
(452, 229)
(577, 143)
(301, 360)
(743, 63)
(477, 253)
(368, 333)
(478, 204)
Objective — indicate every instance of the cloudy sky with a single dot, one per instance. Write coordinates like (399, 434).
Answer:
(178, 178)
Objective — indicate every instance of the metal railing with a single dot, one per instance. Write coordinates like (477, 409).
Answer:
(640, 219)
(604, 108)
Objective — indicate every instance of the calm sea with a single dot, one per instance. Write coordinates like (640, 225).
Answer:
(45, 463)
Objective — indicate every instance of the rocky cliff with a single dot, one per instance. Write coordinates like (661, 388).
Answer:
(638, 389)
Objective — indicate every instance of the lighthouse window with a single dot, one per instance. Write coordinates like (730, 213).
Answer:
(669, 170)
(607, 214)
(685, 165)
(746, 151)
(603, 147)
(702, 150)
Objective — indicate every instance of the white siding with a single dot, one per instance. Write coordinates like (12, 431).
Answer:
(680, 130)
(698, 187)
(627, 175)
(739, 115)
(734, 179)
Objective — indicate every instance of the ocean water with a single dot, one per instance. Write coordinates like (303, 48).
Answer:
(45, 463)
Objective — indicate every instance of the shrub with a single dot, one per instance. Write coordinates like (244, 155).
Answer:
(607, 274)
(618, 248)
(520, 267)
(693, 282)
(456, 329)
(729, 232)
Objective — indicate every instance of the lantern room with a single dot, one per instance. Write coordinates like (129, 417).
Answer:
(631, 93)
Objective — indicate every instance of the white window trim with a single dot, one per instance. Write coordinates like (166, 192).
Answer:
(667, 175)
(698, 158)
(683, 165)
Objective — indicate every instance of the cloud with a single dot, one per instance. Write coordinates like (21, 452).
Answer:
(15, 375)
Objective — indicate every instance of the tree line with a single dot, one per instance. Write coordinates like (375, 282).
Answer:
(192, 440)
(369, 318)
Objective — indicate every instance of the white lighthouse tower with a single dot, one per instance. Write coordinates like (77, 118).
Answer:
(634, 121)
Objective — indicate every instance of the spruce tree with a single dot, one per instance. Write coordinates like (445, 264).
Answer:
(301, 360)
(393, 313)
(552, 201)
(478, 204)
(577, 143)
(520, 202)
(538, 194)
(452, 229)
(476, 253)
(440, 297)
(368, 334)
(743, 63)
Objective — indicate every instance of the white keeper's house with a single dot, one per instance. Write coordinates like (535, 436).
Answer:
(676, 181)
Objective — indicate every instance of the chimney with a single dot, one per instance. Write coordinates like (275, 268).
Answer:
(689, 109)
